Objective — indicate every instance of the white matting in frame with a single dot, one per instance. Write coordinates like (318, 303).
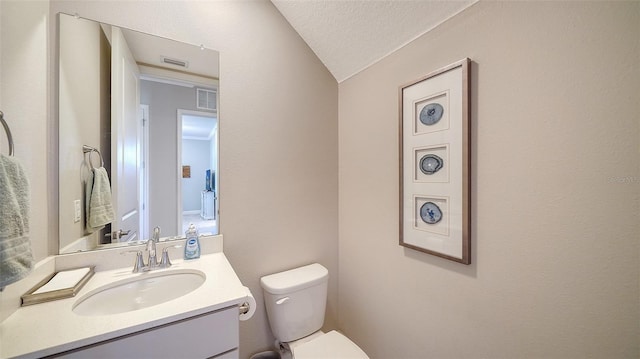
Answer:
(434, 135)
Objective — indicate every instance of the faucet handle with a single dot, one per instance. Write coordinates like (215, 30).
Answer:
(165, 262)
(138, 265)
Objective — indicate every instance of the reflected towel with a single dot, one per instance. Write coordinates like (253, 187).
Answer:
(16, 259)
(87, 201)
(98, 200)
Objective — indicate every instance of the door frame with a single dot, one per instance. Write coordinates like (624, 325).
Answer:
(144, 181)
(179, 114)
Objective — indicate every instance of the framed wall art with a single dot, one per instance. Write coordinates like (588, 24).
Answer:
(435, 168)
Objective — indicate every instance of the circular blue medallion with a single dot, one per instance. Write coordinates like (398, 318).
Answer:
(431, 114)
(430, 164)
(430, 213)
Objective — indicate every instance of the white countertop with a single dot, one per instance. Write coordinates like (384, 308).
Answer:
(48, 328)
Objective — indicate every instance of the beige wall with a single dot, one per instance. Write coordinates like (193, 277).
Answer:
(24, 99)
(84, 78)
(278, 131)
(555, 191)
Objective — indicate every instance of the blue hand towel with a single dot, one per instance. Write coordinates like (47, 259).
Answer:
(100, 209)
(16, 259)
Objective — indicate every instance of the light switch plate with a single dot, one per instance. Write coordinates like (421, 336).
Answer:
(78, 211)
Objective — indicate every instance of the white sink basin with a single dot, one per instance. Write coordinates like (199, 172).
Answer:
(145, 290)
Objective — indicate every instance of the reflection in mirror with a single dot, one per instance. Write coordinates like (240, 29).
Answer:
(139, 129)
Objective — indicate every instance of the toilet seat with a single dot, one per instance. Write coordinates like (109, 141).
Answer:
(329, 346)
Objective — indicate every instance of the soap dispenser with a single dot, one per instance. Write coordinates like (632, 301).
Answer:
(192, 245)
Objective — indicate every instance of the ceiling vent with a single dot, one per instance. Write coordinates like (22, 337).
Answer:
(206, 99)
(175, 62)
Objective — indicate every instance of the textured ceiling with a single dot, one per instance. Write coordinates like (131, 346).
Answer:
(349, 35)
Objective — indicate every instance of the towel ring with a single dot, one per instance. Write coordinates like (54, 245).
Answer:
(8, 132)
(89, 150)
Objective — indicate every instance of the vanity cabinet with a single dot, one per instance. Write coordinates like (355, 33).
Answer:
(210, 335)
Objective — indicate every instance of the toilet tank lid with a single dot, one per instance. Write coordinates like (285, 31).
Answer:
(294, 279)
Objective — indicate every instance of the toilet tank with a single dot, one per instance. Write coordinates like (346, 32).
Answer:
(296, 300)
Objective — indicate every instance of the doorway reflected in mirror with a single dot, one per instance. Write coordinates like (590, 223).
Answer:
(198, 149)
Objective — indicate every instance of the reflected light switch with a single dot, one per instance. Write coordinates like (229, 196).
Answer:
(77, 211)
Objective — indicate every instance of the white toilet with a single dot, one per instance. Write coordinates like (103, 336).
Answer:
(296, 300)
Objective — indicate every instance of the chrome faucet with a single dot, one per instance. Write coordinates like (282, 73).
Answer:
(152, 263)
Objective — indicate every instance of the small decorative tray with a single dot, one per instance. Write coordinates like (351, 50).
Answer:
(59, 285)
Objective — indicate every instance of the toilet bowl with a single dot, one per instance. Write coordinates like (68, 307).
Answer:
(332, 345)
(296, 302)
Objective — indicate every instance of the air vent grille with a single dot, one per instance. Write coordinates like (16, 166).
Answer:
(175, 62)
(206, 99)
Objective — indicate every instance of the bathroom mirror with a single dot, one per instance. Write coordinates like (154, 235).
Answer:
(144, 108)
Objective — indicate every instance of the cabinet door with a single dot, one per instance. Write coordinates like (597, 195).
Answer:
(204, 336)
